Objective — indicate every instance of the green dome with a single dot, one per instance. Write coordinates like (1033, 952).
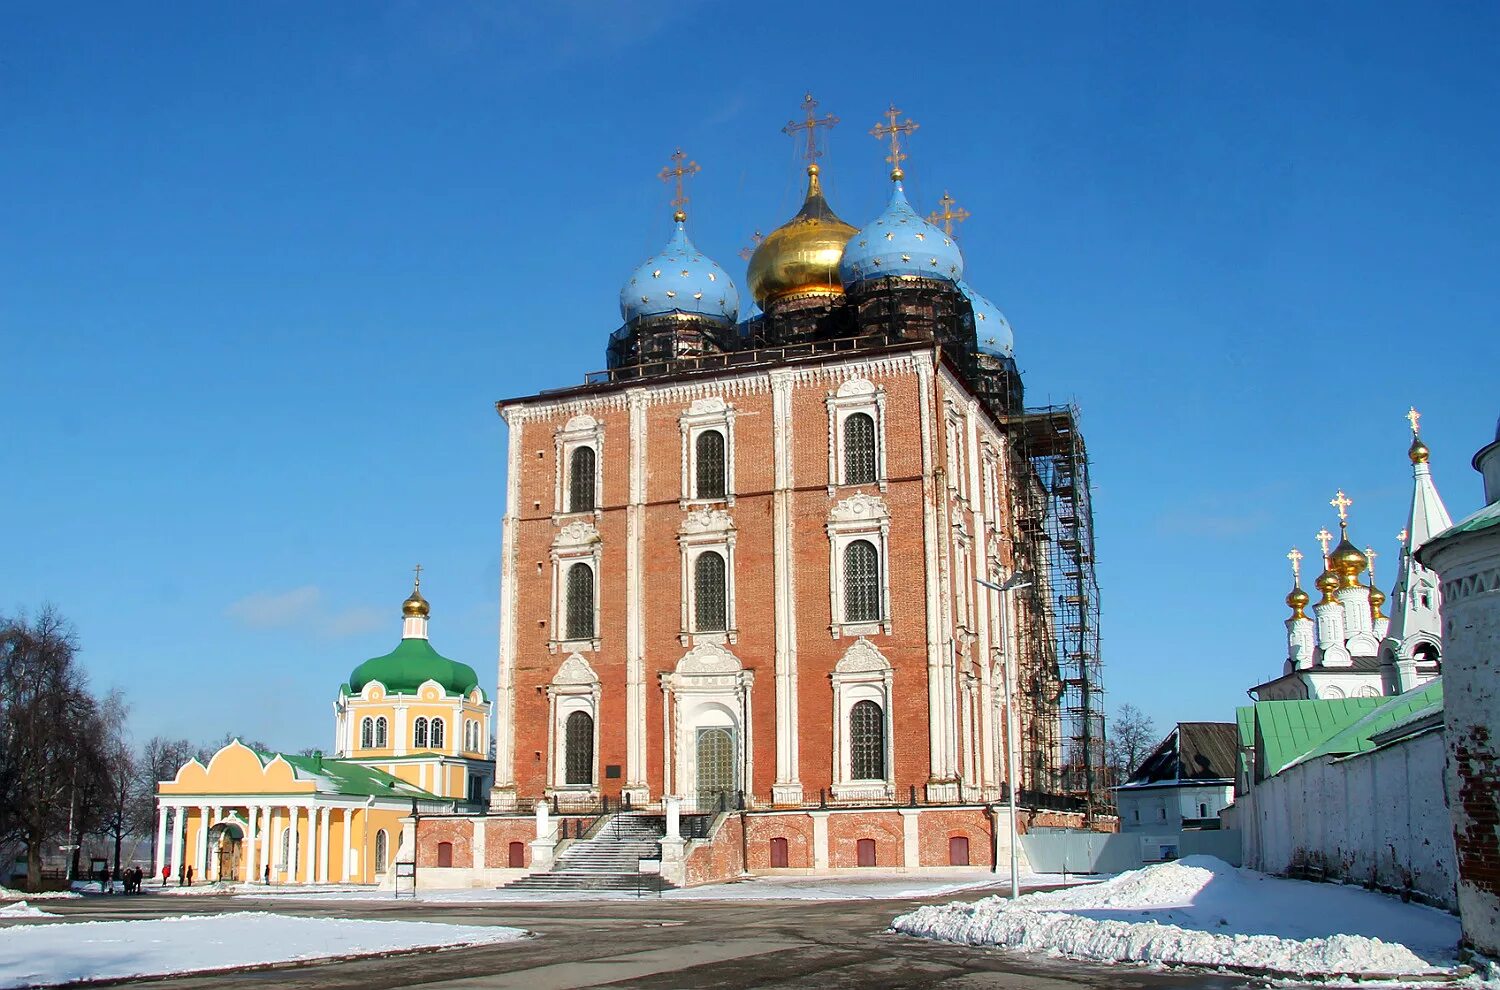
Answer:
(409, 665)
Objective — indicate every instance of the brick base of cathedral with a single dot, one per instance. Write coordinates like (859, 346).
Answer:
(454, 851)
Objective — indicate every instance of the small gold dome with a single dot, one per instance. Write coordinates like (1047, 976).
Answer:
(1349, 562)
(1418, 451)
(415, 606)
(1328, 583)
(1377, 599)
(801, 257)
(1297, 600)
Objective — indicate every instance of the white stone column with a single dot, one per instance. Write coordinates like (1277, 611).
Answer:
(161, 838)
(636, 785)
(543, 845)
(179, 833)
(503, 794)
(294, 866)
(787, 787)
(324, 821)
(820, 840)
(200, 859)
(251, 816)
(911, 847)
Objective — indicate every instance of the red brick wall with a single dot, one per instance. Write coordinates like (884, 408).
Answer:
(1028, 820)
(935, 828)
(845, 831)
(797, 830)
(432, 831)
(720, 859)
(499, 833)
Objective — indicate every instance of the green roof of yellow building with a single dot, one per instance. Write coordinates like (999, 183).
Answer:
(409, 666)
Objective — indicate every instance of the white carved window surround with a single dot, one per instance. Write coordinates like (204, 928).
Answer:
(855, 396)
(582, 430)
(862, 675)
(575, 689)
(958, 472)
(712, 414)
(576, 543)
(706, 530)
(860, 517)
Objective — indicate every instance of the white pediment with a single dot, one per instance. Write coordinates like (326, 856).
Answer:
(583, 422)
(575, 671)
(860, 507)
(707, 520)
(709, 658)
(856, 386)
(862, 657)
(702, 407)
(576, 534)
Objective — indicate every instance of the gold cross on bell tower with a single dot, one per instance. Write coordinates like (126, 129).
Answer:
(948, 216)
(1324, 538)
(417, 579)
(677, 172)
(1414, 418)
(1296, 558)
(894, 132)
(810, 125)
(1341, 502)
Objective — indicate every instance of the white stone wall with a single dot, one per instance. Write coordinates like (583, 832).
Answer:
(1376, 817)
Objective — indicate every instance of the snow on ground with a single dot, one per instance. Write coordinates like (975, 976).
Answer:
(6, 894)
(20, 909)
(46, 954)
(1201, 911)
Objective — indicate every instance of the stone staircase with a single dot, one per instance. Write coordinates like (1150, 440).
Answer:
(607, 861)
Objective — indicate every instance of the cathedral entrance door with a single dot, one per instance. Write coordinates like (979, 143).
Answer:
(715, 767)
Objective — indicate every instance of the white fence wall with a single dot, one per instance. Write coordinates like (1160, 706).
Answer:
(1074, 851)
(1376, 818)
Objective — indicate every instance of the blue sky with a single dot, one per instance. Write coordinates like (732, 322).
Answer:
(265, 267)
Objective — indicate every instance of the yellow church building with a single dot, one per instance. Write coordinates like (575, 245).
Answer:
(411, 729)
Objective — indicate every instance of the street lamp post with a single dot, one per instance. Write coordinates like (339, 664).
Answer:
(1020, 579)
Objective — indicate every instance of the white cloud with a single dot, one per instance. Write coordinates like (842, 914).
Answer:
(305, 609)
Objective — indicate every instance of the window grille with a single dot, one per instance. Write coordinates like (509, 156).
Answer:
(861, 582)
(367, 733)
(380, 732)
(381, 842)
(710, 597)
(419, 733)
(437, 733)
(710, 464)
(581, 480)
(859, 449)
(579, 744)
(580, 617)
(866, 741)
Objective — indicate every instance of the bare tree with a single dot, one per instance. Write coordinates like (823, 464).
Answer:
(159, 759)
(49, 744)
(116, 818)
(207, 751)
(1132, 736)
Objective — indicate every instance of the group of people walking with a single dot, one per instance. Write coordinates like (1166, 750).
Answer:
(130, 877)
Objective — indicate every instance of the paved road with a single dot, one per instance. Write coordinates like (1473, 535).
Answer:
(656, 944)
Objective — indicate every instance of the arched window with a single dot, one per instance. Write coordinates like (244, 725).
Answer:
(380, 732)
(861, 582)
(580, 617)
(710, 597)
(1202, 810)
(581, 480)
(859, 449)
(710, 464)
(866, 741)
(381, 841)
(445, 854)
(419, 733)
(286, 849)
(437, 733)
(579, 749)
(366, 733)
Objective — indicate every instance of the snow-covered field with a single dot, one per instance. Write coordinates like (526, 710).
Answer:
(1201, 911)
(20, 909)
(46, 954)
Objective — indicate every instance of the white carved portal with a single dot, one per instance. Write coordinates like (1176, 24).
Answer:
(706, 697)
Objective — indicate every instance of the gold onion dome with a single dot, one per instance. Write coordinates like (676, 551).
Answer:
(1328, 583)
(1418, 451)
(1349, 561)
(415, 606)
(801, 257)
(1297, 600)
(1377, 599)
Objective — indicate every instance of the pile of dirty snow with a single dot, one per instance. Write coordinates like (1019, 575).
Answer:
(20, 909)
(1200, 911)
(44, 955)
(6, 894)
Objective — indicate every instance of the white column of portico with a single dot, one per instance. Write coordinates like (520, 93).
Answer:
(250, 817)
(293, 867)
(161, 838)
(179, 832)
(200, 856)
(325, 825)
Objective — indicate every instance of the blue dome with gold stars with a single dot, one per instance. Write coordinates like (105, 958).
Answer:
(900, 243)
(679, 279)
(992, 332)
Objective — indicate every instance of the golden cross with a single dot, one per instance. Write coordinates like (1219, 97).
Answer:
(1402, 536)
(418, 571)
(894, 131)
(748, 250)
(1296, 558)
(1413, 417)
(1324, 537)
(949, 216)
(1370, 556)
(1341, 502)
(678, 171)
(810, 125)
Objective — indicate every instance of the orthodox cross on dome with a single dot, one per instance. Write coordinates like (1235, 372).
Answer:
(1370, 556)
(677, 172)
(1296, 558)
(1341, 502)
(749, 249)
(948, 216)
(894, 132)
(417, 579)
(810, 125)
(1414, 418)
(1324, 538)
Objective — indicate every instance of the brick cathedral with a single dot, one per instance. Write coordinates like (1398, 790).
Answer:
(741, 564)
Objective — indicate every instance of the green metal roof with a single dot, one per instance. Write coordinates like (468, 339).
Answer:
(349, 779)
(1284, 730)
(1485, 518)
(1356, 738)
(409, 665)
(1244, 717)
